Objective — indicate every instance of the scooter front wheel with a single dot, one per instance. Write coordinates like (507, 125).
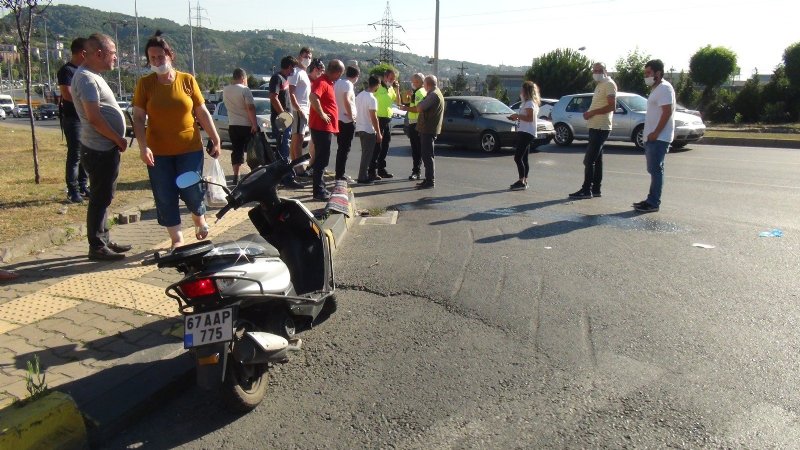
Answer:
(245, 385)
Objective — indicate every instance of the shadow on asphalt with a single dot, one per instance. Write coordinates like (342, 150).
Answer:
(502, 212)
(560, 227)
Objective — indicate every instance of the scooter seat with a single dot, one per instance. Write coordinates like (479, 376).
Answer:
(252, 244)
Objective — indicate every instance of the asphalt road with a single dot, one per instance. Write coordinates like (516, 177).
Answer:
(494, 319)
(25, 122)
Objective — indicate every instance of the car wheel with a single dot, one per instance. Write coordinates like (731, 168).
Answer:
(638, 137)
(489, 142)
(563, 135)
(677, 145)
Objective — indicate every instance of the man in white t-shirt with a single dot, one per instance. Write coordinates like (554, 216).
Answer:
(368, 129)
(346, 102)
(659, 131)
(598, 118)
(242, 123)
(299, 90)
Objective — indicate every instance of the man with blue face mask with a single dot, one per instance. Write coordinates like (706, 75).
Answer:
(599, 118)
(659, 131)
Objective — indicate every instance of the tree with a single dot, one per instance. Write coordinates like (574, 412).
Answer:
(791, 64)
(458, 85)
(684, 90)
(711, 66)
(252, 82)
(630, 72)
(561, 72)
(24, 11)
(748, 102)
(381, 68)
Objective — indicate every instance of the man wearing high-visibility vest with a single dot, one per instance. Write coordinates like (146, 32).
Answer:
(416, 96)
(387, 97)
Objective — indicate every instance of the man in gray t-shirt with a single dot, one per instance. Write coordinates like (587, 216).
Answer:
(102, 140)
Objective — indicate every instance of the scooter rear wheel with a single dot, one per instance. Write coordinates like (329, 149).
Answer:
(245, 385)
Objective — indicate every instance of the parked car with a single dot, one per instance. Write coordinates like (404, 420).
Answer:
(260, 93)
(46, 111)
(263, 109)
(545, 107)
(398, 122)
(683, 109)
(483, 122)
(7, 103)
(21, 110)
(628, 122)
(123, 105)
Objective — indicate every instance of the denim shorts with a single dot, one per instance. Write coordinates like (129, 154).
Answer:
(166, 192)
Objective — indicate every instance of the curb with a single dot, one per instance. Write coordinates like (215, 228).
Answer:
(749, 142)
(52, 421)
(55, 421)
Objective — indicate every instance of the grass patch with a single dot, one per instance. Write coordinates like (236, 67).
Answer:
(752, 135)
(29, 208)
(375, 212)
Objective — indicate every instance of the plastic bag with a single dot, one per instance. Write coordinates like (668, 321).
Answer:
(215, 195)
(257, 151)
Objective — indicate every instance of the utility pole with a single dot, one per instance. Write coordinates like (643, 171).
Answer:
(462, 69)
(196, 14)
(386, 42)
(136, 14)
(116, 24)
(47, 55)
(191, 36)
(436, 44)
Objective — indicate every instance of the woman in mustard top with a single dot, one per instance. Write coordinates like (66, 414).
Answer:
(171, 143)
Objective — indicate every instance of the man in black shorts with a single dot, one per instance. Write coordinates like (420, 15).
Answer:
(242, 122)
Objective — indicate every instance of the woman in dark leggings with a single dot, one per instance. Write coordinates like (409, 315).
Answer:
(526, 131)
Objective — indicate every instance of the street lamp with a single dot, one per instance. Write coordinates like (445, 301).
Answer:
(436, 44)
(116, 24)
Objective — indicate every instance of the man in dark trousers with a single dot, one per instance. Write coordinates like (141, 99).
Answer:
(429, 125)
(323, 122)
(71, 125)
(102, 141)
(279, 99)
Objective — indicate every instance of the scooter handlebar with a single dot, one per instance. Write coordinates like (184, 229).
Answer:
(299, 160)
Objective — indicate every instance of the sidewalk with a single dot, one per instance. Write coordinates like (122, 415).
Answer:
(105, 333)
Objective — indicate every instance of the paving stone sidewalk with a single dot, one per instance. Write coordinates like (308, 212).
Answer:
(99, 329)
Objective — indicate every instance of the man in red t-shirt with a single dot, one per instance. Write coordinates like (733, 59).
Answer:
(323, 122)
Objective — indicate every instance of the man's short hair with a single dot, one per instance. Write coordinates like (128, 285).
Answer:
(373, 81)
(419, 77)
(389, 71)
(431, 79)
(238, 73)
(656, 65)
(351, 72)
(602, 65)
(77, 45)
(98, 41)
(288, 62)
(335, 66)
(304, 50)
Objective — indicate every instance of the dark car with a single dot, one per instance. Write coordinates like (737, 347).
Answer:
(46, 111)
(483, 122)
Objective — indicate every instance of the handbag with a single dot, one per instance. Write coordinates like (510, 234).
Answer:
(257, 151)
(215, 195)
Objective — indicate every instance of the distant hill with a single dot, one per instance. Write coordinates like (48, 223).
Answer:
(218, 52)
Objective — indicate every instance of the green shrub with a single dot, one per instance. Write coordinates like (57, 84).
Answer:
(775, 113)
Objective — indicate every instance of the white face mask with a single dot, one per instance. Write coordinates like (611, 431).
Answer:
(305, 62)
(162, 70)
(649, 81)
(598, 77)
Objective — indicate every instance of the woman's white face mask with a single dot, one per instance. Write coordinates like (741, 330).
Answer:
(162, 69)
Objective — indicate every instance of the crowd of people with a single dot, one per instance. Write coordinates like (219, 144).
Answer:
(322, 101)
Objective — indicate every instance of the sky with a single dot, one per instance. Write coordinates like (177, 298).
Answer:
(513, 32)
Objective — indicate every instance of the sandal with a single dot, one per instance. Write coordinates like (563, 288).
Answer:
(201, 232)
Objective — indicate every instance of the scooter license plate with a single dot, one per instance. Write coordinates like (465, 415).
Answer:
(208, 328)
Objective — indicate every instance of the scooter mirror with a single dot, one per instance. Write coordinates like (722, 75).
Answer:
(187, 179)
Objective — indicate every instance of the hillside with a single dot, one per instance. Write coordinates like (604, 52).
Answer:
(218, 52)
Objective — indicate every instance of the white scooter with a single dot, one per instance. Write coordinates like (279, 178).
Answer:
(244, 301)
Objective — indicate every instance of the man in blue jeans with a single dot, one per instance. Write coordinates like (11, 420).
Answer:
(659, 131)
(76, 177)
(279, 99)
(598, 117)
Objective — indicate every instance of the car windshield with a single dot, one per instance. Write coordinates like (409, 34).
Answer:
(634, 102)
(263, 108)
(491, 106)
(5, 101)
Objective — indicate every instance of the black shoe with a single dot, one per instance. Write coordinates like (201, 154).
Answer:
(518, 186)
(643, 202)
(384, 174)
(322, 196)
(645, 207)
(427, 184)
(413, 176)
(74, 197)
(105, 254)
(580, 195)
(346, 177)
(375, 177)
(119, 248)
(85, 192)
(367, 181)
(293, 184)
(235, 180)
(596, 194)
